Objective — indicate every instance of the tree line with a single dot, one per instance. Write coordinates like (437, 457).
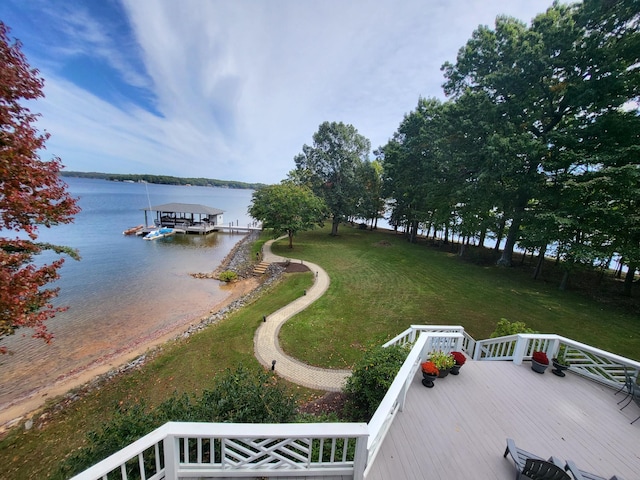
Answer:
(163, 179)
(536, 146)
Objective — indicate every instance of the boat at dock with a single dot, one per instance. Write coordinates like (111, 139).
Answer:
(159, 233)
(133, 230)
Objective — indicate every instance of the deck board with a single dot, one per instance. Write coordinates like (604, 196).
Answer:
(458, 429)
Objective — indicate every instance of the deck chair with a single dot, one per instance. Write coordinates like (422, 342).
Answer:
(582, 475)
(628, 386)
(636, 398)
(543, 470)
(533, 466)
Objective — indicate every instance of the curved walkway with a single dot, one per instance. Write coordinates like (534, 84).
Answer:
(266, 345)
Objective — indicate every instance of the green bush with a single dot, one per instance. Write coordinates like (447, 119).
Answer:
(504, 327)
(228, 276)
(242, 396)
(371, 378)
(245, 397)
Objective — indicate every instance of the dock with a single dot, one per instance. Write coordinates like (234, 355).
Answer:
(239, 228)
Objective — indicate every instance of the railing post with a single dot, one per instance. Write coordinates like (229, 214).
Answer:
(553, 348)
(171, 459)
(360, 458)
(520, 350)
(412, 335)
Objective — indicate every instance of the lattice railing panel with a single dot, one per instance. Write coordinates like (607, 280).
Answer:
(272, 453)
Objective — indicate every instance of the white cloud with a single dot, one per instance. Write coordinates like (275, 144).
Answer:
(240, 86)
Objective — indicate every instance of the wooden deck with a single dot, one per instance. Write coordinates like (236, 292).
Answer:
(458, 429)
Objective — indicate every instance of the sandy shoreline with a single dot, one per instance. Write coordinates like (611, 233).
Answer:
(29, 405)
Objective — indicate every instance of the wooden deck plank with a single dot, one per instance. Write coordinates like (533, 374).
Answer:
(458, 429)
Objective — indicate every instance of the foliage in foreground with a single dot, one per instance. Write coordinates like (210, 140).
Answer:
(371, 378)
(31, 195)
(240, 396)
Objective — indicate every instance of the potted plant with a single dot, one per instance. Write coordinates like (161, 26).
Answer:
(539, 361)
(443, 362)
(459, 359)
(559, 362)
(429, 373)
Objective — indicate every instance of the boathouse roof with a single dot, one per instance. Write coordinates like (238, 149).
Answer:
(184, 208)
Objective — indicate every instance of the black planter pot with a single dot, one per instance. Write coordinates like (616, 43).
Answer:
(444, 372)
(427, 380)
(538, 367)
(558, 368)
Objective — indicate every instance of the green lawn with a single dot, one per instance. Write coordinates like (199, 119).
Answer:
(381, 284)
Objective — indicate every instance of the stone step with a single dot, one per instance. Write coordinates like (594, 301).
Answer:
(261, 268)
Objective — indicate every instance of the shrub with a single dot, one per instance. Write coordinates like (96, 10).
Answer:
(247, 397)
(504, 327)
(241, 396)
(228, 276)
(371, 378)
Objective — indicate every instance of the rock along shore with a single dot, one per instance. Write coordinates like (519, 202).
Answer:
(238, 260)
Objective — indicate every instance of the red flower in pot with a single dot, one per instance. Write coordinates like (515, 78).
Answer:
(459, 358)
(539, 362)
(540, 357)
(429, 368)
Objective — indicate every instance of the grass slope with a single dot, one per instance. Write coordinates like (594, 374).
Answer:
(381, 284)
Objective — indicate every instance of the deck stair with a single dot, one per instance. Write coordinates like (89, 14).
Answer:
(261, 268)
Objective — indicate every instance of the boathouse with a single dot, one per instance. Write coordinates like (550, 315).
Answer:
(185, 217)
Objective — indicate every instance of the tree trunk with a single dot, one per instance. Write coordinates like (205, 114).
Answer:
(619, 269)
(446, 233)
(290, 233)
(334, 226)
(413, 231)
(506, 259)
(483, 235)
(500, 232)
(628, 280)
(538, 269)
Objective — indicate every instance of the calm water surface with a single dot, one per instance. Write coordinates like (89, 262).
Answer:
(124, 290)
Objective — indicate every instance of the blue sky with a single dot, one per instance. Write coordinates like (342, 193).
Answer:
(232, 89)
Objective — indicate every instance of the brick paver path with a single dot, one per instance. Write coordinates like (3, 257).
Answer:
(267, 347)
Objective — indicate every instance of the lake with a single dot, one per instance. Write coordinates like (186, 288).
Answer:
(125, 290)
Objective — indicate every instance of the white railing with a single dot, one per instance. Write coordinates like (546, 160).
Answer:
(182, 449)
(585, 360)
(447, 340)
(410, 335)
(178, 450)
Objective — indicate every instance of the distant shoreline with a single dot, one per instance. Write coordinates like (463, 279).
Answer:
(163, 180)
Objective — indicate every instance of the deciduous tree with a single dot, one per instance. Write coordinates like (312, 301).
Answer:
(32, 195)
(287, 208)
(331, 165)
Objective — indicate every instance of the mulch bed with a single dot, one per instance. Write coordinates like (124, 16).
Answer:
(292, 267)
(330, 402)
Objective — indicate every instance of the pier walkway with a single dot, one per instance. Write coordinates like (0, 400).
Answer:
(266, 344)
